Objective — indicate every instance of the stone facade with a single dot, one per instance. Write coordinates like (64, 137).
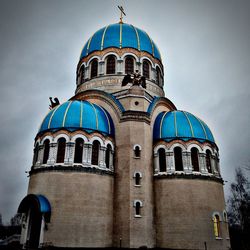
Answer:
(124, 189)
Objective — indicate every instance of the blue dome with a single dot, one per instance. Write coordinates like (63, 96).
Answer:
(120, 35)
(181, 125)
(73, 115)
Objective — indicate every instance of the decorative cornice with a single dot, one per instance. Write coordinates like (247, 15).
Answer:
(120, 52)
(70, 169)
(189, 177)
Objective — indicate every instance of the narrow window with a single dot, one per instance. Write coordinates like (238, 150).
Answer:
(108, 153)
(137, 208)
(208, 161)
(129, 65)
(110, 69)
(78, 150)
(195, 159)
(94, 68)
(95, 153)
(36, 150)
(162, 160)
(145, 68)
(61, 145)
(82, 74)
(178, 159)
(46, 151)
(137, 179)
(137, 151)
(158, 76)
(216, 225)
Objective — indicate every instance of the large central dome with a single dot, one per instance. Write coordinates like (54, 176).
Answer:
(120, 35)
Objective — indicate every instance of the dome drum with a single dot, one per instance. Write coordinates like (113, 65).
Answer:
(98, 70)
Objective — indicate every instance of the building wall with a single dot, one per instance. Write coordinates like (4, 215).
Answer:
(184, 211)
(82, 208)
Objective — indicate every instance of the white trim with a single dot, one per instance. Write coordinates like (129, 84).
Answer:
(66, 137)
(92, 139)
(73, 139)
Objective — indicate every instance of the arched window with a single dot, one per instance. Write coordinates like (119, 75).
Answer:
(137, 179)
(46, 151)
(78, 150)
(129, 65)
(216, 220)
(36, 150)
(137, 152)
(195, 159)
(162, 160)
(145, 68)
(94, 68)
(108, 154)
(82, 74)
(138, 206)
(178, 159)
(61, 145)
(110, 69)
(208, 161)
(158, 76)
(95, 153)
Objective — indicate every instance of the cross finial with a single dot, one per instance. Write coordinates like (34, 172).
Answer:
(122, 13)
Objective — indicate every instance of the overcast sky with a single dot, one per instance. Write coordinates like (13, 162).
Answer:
(205, 47)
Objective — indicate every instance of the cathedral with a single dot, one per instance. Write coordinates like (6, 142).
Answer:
(118, 165)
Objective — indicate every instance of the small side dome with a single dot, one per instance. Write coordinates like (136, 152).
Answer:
(120, 35)
(181, 125)
(73, 115)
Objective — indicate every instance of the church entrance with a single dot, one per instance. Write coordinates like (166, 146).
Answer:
(36, 212)
(34, 227)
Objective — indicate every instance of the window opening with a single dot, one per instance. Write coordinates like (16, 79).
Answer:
(61, 145)
(129, 65)
(46, 151)
(137, 208)
(110, 65)
(195, 159)
(137, 151)
(145, 68)
(108, 153)
(82, 74)
(78, 150)
(94, 68)
(36, 150)
(208, 161)
(137, 179)
(217, 225)
(95, 153)
(178, 159)
(162, 160)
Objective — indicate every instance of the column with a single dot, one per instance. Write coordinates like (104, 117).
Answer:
(101, 68)
(42, 232)
(102, 156)
(153, 77)
(187, 166)
(202, 163)
(120, 66)
(156, 163)
(52, 153)
(87, 73)
(138, 67)
(69, 159)
(170, 162)
(87, 151)
(111, 160)
(40, 155)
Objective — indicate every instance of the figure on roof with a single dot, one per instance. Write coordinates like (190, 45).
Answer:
(135, 79)
(53, 103)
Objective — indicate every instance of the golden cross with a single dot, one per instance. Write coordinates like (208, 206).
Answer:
(122, 13)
